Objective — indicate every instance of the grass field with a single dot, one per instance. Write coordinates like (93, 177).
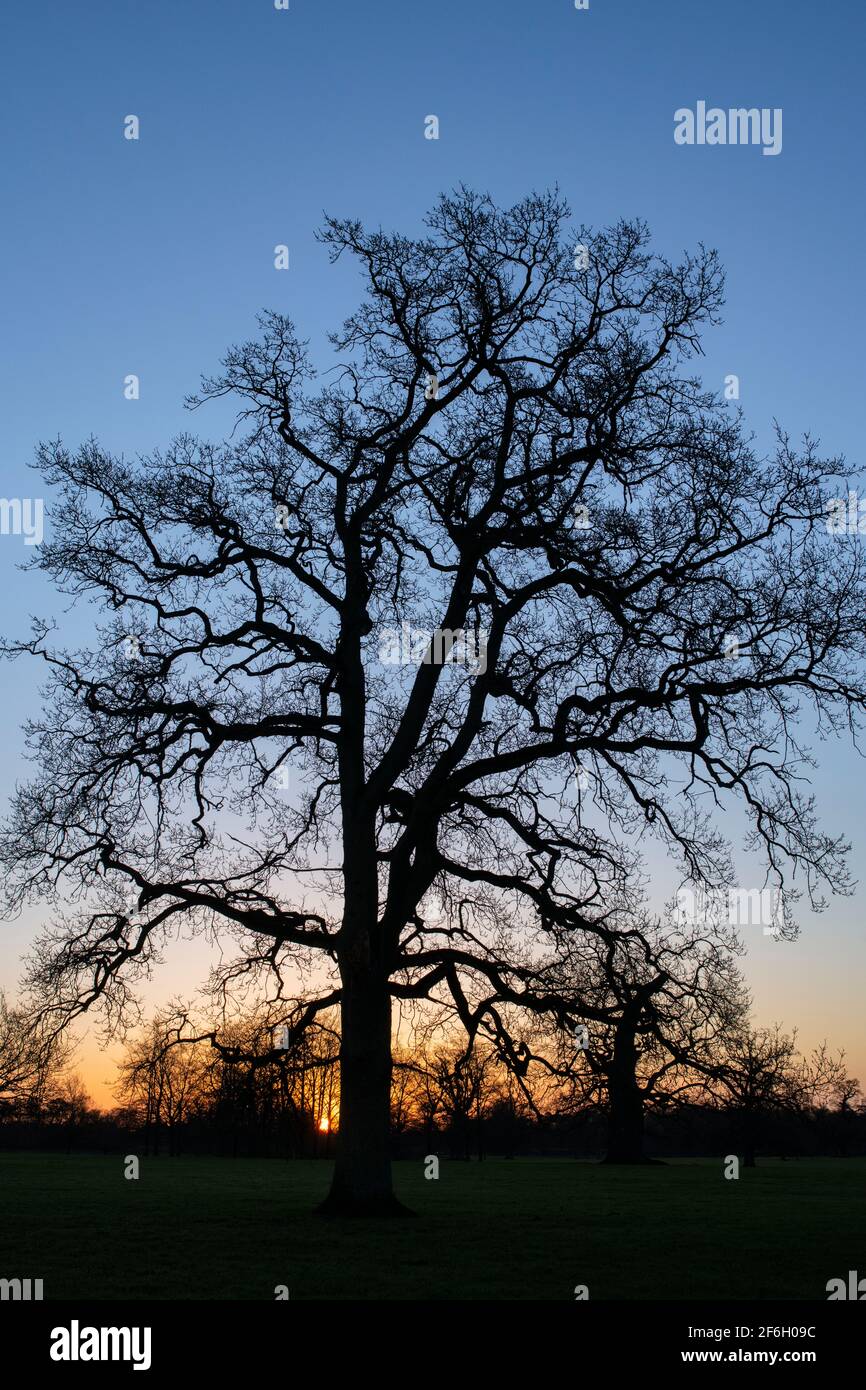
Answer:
(524, 1229)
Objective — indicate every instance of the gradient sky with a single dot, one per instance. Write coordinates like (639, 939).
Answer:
(150, 257)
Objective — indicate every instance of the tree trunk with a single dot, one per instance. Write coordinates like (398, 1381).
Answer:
(625, 1132)
(362, 1184)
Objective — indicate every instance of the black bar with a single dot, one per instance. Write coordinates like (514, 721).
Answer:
(285, 1339)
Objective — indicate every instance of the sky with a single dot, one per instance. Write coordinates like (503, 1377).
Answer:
(151, 256)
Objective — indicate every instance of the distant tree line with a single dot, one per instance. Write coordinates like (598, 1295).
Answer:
(263, 1091)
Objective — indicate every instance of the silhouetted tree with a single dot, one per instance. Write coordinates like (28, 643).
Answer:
(32, 1058)
(161, 1082)
(760, 1073)
(511, 460)
(664, 998)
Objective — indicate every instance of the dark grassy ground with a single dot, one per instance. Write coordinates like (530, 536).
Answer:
(523, 1229)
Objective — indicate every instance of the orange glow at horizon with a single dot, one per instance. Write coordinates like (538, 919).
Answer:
(324, 1125)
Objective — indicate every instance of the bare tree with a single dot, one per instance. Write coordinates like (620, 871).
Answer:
(464, 1083)
(508, 542)
(31, 1057)
(760, 1073)
(250, 1071)
(161, 1082)
(660, 1000)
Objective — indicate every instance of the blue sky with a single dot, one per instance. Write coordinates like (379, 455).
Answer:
(151, 256)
